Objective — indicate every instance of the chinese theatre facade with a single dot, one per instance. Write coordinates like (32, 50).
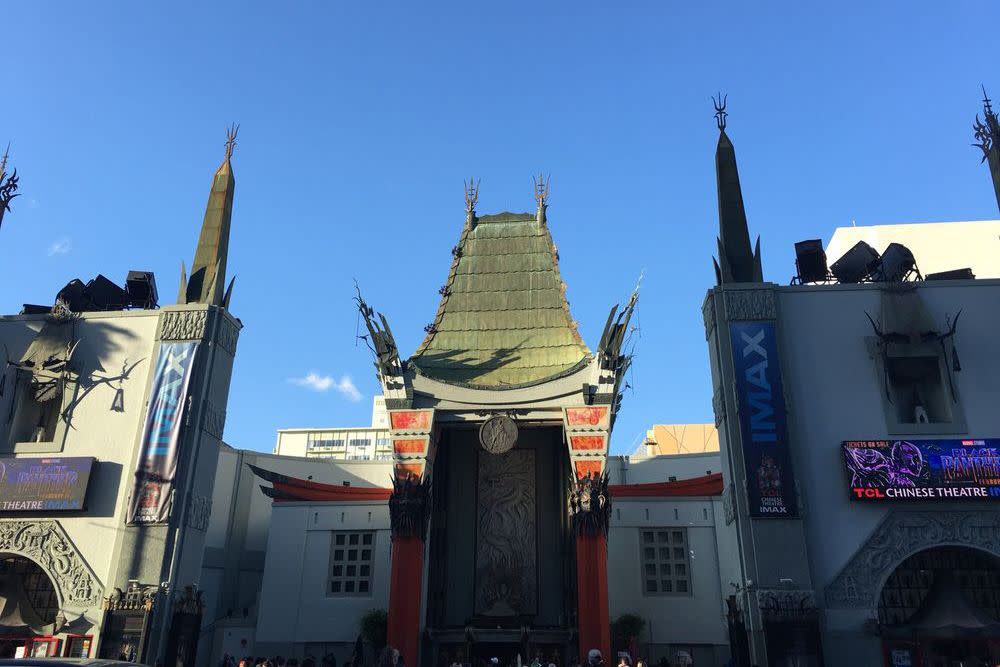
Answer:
(500, 424)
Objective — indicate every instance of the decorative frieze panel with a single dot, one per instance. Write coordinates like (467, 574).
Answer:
(46, 543)
(782, 605)
(227, 335)
(199, 511)
(183, 324)
(902, 534)
(214, 422)
(750, 304)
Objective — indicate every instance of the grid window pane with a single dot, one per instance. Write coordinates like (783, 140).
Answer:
(665, 565)
(351, 567)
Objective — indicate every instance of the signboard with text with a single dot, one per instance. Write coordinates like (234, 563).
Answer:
(44, 485)
(770, 480)
(887, 470)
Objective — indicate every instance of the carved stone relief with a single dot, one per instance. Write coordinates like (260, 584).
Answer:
(902, 534)
(708, 313)
(199, 511)
(729, 504)
(506, 547)
(750, 304)
(183, 324)
(214, 422)
(227, 335)
(47, 544)
(718, 406)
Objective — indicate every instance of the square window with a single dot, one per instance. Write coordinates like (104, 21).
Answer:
(667, 586)
(665, 569)
(649, 553)
(682, 586)
(681, 570)
(665, 553)
(351, 565)
(678, 553)
(651, 585)
(663, 536)
(665, 561)
(647, 536)
(650, 569)
(678, 537)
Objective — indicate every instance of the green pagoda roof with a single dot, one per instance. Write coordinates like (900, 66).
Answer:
(503, 321)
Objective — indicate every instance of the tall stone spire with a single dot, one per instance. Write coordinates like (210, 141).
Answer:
(987, 133)
(737, 262)
(208, 272)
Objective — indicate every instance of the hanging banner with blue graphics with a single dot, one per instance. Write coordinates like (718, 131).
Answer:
(154, 476)
(770, 480)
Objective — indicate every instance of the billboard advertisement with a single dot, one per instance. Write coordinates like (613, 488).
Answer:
(44, 485)
(770, 480)
(887, 470)
(154, 478)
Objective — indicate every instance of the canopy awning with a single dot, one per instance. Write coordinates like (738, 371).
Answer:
(946, 612)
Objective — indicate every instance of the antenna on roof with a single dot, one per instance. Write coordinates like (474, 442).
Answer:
(719, 103)
(231, 133)
(471, 195)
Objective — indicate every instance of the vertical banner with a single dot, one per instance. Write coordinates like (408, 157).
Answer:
(154, 475)
(770, 481)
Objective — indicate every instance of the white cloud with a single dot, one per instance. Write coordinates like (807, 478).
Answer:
(60, 247)
(323, 383)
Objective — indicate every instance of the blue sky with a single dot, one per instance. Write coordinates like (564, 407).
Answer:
(360, 120)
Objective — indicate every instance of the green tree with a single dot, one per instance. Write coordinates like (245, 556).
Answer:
(374, 628)
(625, 628)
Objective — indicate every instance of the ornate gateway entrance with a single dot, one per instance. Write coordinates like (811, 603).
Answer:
(500, 424)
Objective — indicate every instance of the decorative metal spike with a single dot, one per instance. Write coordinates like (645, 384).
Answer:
(231, 133)
(720, 110)
(471, 195)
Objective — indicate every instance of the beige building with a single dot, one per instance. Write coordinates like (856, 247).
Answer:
(936, 246)
(361, 443)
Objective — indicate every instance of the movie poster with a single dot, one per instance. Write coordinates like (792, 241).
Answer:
(770, 480)
(154, 476)
(44, 484)
(887, 470)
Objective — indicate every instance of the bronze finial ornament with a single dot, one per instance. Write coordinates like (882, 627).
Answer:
(471, 195)
(720, 110)
(987, 135)
(231, 133)
(8, 184)
(541, 189)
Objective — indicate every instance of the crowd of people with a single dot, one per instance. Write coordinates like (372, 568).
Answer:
(390, 657)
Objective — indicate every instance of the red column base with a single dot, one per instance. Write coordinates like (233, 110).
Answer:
(405, 582)
(593, 620)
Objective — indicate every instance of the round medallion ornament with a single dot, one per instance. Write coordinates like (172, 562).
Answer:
(498, 434)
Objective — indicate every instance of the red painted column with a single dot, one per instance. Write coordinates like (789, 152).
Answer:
(594, 624)
(405, 583)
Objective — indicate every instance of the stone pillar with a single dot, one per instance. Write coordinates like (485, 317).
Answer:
(409, 513)
(590, 506)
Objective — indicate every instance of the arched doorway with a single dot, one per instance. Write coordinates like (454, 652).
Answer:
(941, 608)
(29, 605)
